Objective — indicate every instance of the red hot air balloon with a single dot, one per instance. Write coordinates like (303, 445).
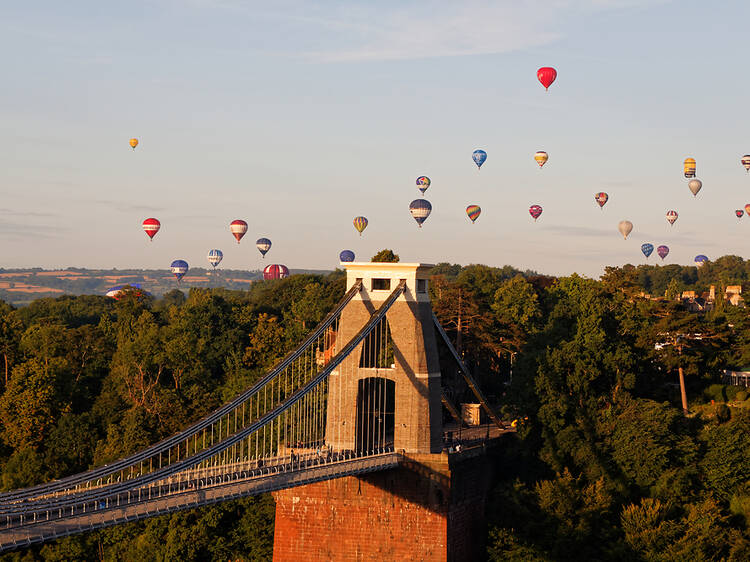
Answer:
(739, 213)
(601, 198)
(546, 75)
(535, 211)
(151, 227)
(275, 271)
(238, 228)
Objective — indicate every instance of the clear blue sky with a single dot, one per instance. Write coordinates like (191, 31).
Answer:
(297, 118)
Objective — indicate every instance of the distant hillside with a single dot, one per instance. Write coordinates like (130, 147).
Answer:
(21, 286)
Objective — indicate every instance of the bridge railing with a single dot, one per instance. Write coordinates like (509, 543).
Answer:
(297, 366)
(289, 410)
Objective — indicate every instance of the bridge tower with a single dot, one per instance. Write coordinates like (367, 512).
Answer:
(387, 392)
(387, 395)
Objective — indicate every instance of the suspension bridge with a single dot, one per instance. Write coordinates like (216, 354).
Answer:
(361, 394)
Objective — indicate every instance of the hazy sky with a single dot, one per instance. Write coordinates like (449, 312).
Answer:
(297, 116)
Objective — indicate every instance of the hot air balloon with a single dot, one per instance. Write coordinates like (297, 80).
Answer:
(663, 251)
(151, 227)
(625, 228)
(215, 257)
(700, 259)
(746, 162)
(179, 268)
(423, 182)
(695, 186)
(738, 213)
(133, 143)
(473, 211)
(116, 292)
(546, 75)
(238, 229)
(689, 167)
(747, 209)
(601, 198)
(420, 209)
(346, 256)
(535, 211)
(647, 249)
(541, 158)
(263, 245)
(275, 271)
(479, 156)
(360, 223)
(671, 217)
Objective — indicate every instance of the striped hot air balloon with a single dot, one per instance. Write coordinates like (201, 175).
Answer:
(238, 228)
(360, 223)
(151, 227)
(473, 211)
(535, 211)
(215, 257)
(420, 209)
(346, 256)
(746, 162)
(179, 268)
(541, 157)
(601, 198)
(689, 167)
(671, 217)
(275, 271)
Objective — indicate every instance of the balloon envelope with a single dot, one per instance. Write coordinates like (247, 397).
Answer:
(662, 251)
(263, 245)
(671, 217)
(747, 209)
(546, 75)
(541, 158)
(423, 182)
(275, 271)
(346, 256)
(133, 143)
(151, 227)
(695, 186)
(420, 209)
(360, 223)
(473, 211)
(479, 156)
(179, 268)
(746, 162)
(238, 229)
(625, 228)
(647, 249)
(700, 259)
(215, 257)
(689, 167)
(739, 213)
(601, 198)
(535, 211)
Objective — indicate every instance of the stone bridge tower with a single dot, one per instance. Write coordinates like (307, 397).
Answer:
(387, 392)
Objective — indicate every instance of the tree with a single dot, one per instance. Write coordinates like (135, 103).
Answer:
(10, 330)
(386, 256)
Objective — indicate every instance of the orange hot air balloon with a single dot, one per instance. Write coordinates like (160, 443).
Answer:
(133, 143)
(541, 158)
(747, 209)
(689, 167)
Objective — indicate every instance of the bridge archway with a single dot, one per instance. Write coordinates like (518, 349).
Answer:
(376, 408)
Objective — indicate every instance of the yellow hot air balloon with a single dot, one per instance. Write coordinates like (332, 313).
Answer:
(541, 158)
(133, 143)
(689, 167)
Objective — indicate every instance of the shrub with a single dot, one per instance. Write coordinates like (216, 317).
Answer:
(741, 396)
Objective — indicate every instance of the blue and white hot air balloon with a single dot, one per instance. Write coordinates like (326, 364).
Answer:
(420, 209)
(700, 259)
(263, 245)
(179, 268)
(346, 256)
(479, 156)
(647, 249)
(215, 257)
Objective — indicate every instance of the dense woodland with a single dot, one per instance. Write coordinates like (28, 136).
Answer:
(605, 466)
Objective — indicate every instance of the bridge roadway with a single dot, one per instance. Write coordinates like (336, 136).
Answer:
(201, 487)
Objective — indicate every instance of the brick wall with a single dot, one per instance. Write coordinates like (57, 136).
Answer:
(431, 508)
